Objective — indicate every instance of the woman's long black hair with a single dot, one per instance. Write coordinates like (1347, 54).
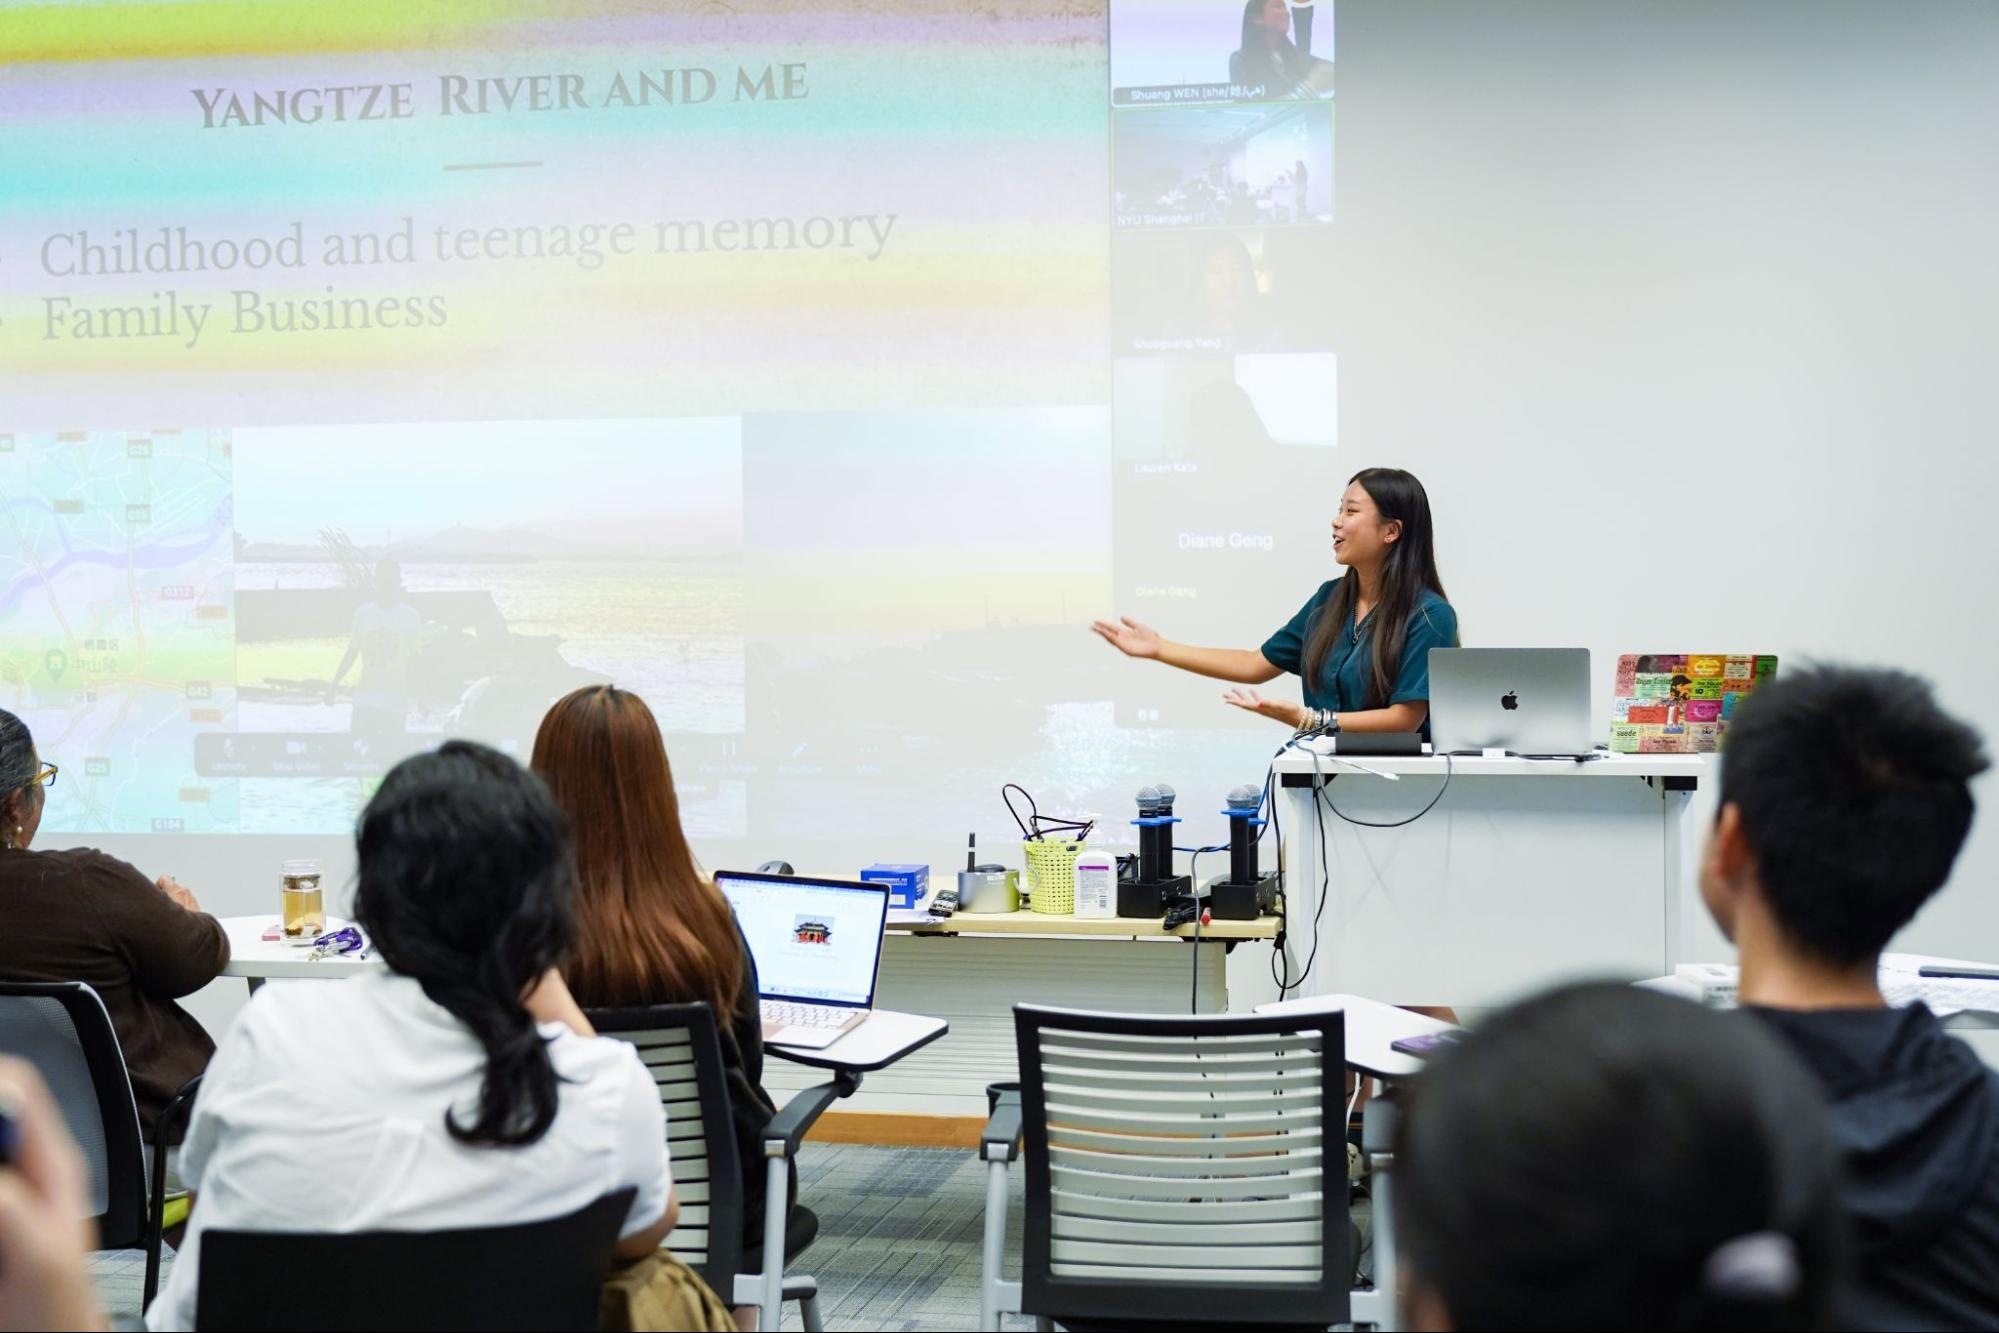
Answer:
(1265, 53)
(1409, 571)
(1605, 1157)
(468, 887)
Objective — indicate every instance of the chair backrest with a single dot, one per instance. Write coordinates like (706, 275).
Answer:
(680, 1048)
(64, 1031)
(529, 1275)
(1235, 67)
(1184, 1168)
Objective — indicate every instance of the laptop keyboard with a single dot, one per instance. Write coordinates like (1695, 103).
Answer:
(789, 1013)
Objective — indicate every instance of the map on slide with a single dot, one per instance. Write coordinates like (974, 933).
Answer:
(116, 621)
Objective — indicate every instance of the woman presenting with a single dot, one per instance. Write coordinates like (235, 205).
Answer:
(1361, 644)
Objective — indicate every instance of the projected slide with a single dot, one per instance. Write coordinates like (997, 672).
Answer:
(1220, 291)
(213, 633)
(1180, 51)
(369, 212)
(1226, 479)
(1217, 166)
(399, 584)
(816, 370)
(115, 620)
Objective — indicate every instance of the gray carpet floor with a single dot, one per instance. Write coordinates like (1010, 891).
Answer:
(898, 1245)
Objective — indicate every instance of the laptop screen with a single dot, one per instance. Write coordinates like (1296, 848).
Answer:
(813, 939)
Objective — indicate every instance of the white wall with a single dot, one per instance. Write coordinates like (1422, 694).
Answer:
(1685, 314)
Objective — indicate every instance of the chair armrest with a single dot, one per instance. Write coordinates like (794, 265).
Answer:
(1002, 1136)
(177, 1112)
(153, 1234)
(798, 1115)
(181, 1105)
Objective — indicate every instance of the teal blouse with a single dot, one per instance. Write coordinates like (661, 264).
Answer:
(1343, 683)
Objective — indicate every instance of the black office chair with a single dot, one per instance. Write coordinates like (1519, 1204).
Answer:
(530, 1275)
(1181, 1172)
(678, 1044)
(64, 1031)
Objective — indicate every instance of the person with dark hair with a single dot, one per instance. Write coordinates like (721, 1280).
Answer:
(655, 929)
(1845, 796)
(1361, 643)
(1267, 58)
(1601, 1157)
(1225, 310)
(459, 1086)
(83, 916)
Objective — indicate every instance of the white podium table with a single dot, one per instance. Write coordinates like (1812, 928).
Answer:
(1526, 872)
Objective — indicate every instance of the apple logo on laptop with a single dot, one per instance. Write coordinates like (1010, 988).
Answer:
(1509, 701)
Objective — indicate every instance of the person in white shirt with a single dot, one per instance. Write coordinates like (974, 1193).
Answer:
(458, 1087)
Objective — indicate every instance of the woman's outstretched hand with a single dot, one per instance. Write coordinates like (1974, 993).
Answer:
(1128, 636)
(1291, 715)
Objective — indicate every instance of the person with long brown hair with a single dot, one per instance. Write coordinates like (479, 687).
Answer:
(653, 928)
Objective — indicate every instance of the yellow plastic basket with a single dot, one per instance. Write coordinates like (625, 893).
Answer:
(1051, 876)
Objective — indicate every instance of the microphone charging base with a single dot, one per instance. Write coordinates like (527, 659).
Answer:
(1230, 901)
(1149, 897)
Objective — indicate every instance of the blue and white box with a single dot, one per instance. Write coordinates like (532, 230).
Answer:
(908, 885)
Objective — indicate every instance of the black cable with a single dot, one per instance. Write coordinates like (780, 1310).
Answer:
(1006, 795)
(1325, 873)
(1032, 826)
(1194, 885)
(1326, 796)
(1322, 801)
(1280, 973)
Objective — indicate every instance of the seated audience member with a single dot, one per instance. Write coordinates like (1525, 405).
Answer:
(655, 929)
(45, 1226)
(457, 1087)
(1600, 1157)
(1845, 795)
(84, 916)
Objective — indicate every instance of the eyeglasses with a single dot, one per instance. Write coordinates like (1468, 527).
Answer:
(45, 778)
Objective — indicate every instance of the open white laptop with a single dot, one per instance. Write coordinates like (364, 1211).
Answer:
(817, 945)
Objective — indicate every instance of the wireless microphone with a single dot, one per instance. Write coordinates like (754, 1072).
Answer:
(1155, 832)
(1244, 895)
(1147, 895)
(1243, 803)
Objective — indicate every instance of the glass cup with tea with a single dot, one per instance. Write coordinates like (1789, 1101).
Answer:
(304, 905)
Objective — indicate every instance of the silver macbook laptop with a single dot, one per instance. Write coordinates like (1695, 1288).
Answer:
(1526, 701)
(817, 945)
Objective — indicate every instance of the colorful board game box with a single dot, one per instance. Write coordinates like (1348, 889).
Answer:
(1681, 703)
